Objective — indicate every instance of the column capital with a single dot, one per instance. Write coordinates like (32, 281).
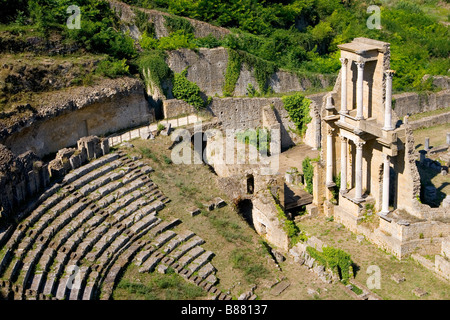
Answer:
(343, 139)
(389, 73)
(330, 131)
(360, 144)
(343, 61)
(386, 157)
(360, 64)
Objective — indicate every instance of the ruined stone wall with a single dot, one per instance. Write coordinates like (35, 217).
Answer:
(430, 121)
(408, 184)
(173, 108)
(413, 103)
(266, 222)
(98, 110)
(245, 113)
(207, 68)
(126, 14)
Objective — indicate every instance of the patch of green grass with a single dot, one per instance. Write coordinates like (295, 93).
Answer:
(168, 286)
(147, 153)
(356, 290)
(242, 259)
(428, 114)
(167, 160)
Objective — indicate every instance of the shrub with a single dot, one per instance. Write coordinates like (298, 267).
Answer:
(335, 259)
(233, 72)
(160, 127)
(152, 63)
(178, 24)
(308, 173)
(208, 42)
(143, 23)
(292, 231)
(297, 107)
(259, 138)
(147, 42)
(188, 91)
(176, 40)
(112, 68)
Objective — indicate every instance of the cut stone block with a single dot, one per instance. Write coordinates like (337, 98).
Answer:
(280, 287)
(219, 202)
(419, 292)
(194, 212)
(190, 256)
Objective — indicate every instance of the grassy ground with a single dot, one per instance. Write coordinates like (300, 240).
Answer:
(437, 135)
(428, 114)
(365, 254)
(240, 258)
(156, 286)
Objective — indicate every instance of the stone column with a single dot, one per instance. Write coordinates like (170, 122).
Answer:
(358, 171)
(385, 200)
(343, 187)
(344, 109)
(329, 104)
(388, 105)
(448, 138)
(359, 92)
(427, 144)
(329, 180)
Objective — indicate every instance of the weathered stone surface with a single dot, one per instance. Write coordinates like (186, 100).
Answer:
(280, 287)
(279, 257)
(397, 278)
(194, 211)
(219, 202)
(360, 238)
(419, 292)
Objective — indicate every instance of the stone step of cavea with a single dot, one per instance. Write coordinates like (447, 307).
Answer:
(123, 190)
(162, 239)
(181, 237)
(102, 180)
(200, 261)
(89, 290)
(180, 251)
(206, 270)
(123, 258)
(45, 237)
(62, 237)
(93, 177)
(85, 169)
(44, 262)
(150, 264)
(189, 256)
(78, 285)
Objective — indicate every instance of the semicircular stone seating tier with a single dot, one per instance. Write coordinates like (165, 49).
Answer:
(81, 234)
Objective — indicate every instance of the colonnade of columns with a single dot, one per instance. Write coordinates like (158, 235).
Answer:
(358, 170)
(360, 94)
(359, 143)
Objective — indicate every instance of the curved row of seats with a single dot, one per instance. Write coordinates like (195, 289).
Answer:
(76, 239)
